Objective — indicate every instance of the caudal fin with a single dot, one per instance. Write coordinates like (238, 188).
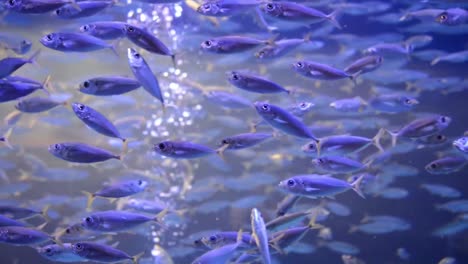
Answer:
(6, 137)
(137, 257)
(376, 139)
(33, 57)
(394, 136)
(333, 18)
(356, 185)
(90, 199)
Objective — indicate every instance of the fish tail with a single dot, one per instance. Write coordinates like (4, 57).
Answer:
(220, 151)
(353, 229)
(44, 212)
(435, 61)
(12, 118)
(354, 76)
(41, 226)
(124, 147)
(261, 20)
(181, 212)
(319, 147)
(376, 139)
(307, 37)
(356, 185)
(333, 17)
(33, 57)
(90, 200)
(45, 83)
(394, 136)
(137, 257)
(159, 218)
(6, 137)
(113, 47)
(239, 237)
(74, 5)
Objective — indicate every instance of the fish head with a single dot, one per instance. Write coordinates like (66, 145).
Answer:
(209, 45)
(235, 78)
(378, 60)
(90, 222)
(24, 46)
(319, 163)
(310, 147)
(88, 87)
(65, 11)
(408, 101)
(134, 58)
(291, 185)
(58, 150)
(265, 52)
(49, 251)
(461, 143)
(212, 241)
(51, 40)
(432, 167)
(81, 249)
(132, 31)
(265, 110)
(20, 105)
(300, 66)
(272, 9)
(81, 110)
(443, 122)
(13, 4)
(164, 148)
(443, 18)
(138, 185)
(88, 28)
(209, 8)
(226, 142)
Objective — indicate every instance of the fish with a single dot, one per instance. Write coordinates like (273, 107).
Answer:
(144, 75)
(393, 103)
(421, 127)
(12, 90)
(221, 254)
(220, 239)
(354, 104)
(101, 252)
(11, 64)
(297, 12)
(231, 44)
(182, 149)
(287, 238)
(96, 121)
(338, 164)
(282, 120)
(222, 8)
(82, 9)
(60, 253)
(446, 165)
(452, 17)
(17, 212)
(441, 190)
(228, 100)
(109, 85)
(38, 104)
(279, 48)
(245, 140)
(80, 152)
(423, 14)
(343, 144)
(74, 42)
(35, 6)
(455, 57)
(461, 144)
(286, 204)
(454, 206)
(320, 71)
(14, 43)
(6, 221)
(259, 235)
(254, 83)
(146, 40)
(318, 186)
(105, 29)
(114, 221)
(117, 190)
(365, 64)
(19, 235)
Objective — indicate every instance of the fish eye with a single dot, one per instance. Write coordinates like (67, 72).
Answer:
(311, 146)
(49, 37)
(162, 146)
(299, 64)
(206, 7)
(58, 11)
(265, 107)
(212, 238)
(85, 27)
(68, 231)
(140, 182)
(12, 2)
(261, 53)
(302, 105)
(48, 250)
(208, 43)
(81, 107)
(291, 183)
(130, 29)
(56, 146)
(24, 42)
(440, 137)
(270, 7)
(224, 142)
(443, 119)
(407, 101)
(235, 76)
(443, 17)
(79, 246)
(86, 84)
(88, 219)
(320, 161)
(433, 166)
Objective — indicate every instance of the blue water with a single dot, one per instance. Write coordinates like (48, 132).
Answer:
(217, 193)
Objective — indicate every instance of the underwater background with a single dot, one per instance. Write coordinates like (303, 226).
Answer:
(214, 193)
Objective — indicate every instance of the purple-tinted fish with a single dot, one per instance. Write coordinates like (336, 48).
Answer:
(16, 212)
(109, 85)
(35, 6)
(337, 164)
(147, 41)
(222, 254)
(95, 120)
(287, 204)
(364, 64)
(101, 253)
(105, 29)
(112, 221)
(82, 9)
(287, 237)
(144, 75)
(80, 153)
(280, 48)
(12, 90)
(318, 186)
(37, 104)
(424, 14)
(320, 71)
(281, 119)
(19, 235)
(10, 65)
(253, 83)
(232, 44)
(74, 42)
(461, 144)
(393, 103)
(291, 11)
(182, 149)
(422, 127)
(389, 49)
(446, 165)
(221, 8)
(6, 221)
(246, 140)
(228, 100)
(220, 239)
(452, 17)
(117, 190)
